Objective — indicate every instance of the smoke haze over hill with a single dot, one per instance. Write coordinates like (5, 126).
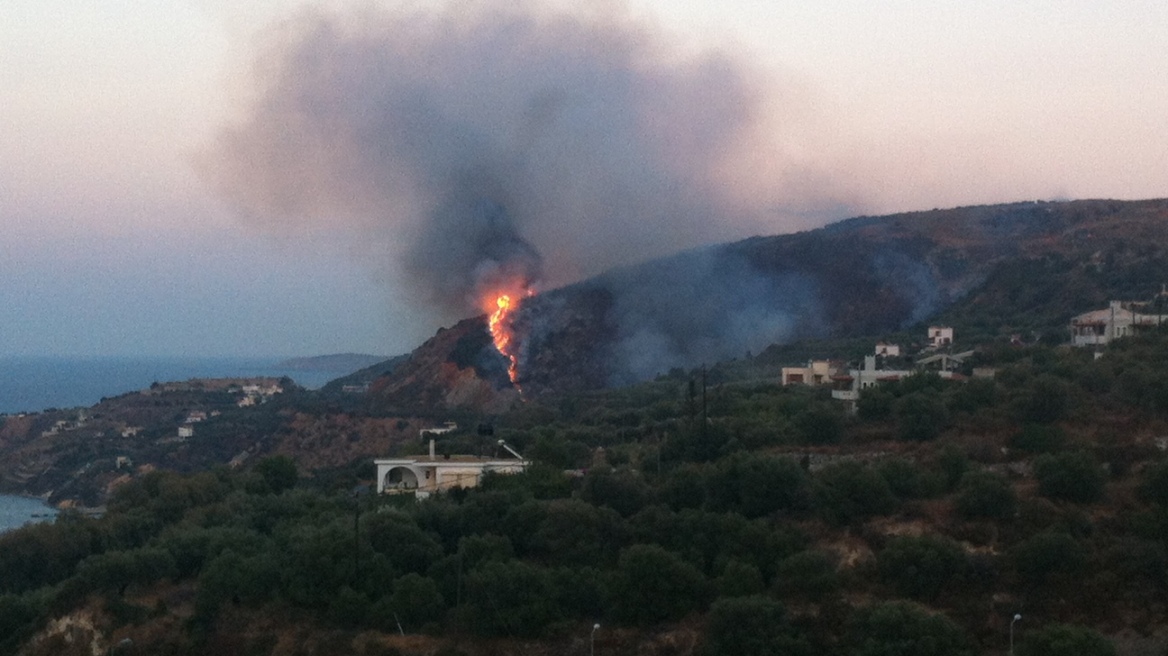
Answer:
(498, 141)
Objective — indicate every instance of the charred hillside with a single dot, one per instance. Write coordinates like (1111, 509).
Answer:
(457, 367)
(1019, 266)
(864, 276)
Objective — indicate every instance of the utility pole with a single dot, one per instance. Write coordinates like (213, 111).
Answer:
(356, 537)
(704, 420)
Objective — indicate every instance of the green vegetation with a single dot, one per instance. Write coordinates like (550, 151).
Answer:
(1057, 639)
(770, 519)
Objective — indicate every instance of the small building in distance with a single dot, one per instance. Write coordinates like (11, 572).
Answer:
(817, 372)
(1119, 319)
(940, 336)
(887, 350)
(847, 386)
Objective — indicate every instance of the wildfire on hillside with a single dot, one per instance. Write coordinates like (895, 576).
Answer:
(499, 307)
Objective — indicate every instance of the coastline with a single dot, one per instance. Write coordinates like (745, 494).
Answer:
(34, 384)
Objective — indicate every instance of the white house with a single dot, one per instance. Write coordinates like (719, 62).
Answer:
(1118, 319)
(817, 372)
(888, 350)
(940, 336)
(846, 387)
(425, 475)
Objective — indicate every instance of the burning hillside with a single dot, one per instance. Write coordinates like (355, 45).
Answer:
(459, 367)
(865, 276)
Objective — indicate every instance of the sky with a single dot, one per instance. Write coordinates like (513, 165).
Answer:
(125, 229)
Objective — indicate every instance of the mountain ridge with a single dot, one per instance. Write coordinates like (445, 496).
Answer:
(863, 276)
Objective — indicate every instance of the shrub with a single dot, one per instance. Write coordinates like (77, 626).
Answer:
(19, 616)
(511, 598)
(921, 567)
(850, 491)
(921, 415)
(1045, 400)
(758, 485)
(349, 608)
(984, 494)
(416, 601)
(230, 576)
(278, 472)
(653, 585)
(953, 464)
(740, 579)
(810, 574)
(975, 394)
(820, 423)
(902, 629)
(117, 570)
(751, 626)
(1154, 486)
(1045, 554)
(875, 404)
(1039, 438)
(395, 535)
(623, 490)
(909, 481)
(1072, 476)
(1060, 639)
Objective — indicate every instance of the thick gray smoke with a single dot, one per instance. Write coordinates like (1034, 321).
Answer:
(496, 142)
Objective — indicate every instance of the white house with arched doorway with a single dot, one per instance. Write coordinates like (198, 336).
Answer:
(424, 475)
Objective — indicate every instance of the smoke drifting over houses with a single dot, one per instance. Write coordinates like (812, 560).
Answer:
(493, 141)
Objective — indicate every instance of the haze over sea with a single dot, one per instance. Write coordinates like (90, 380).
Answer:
(32, 384)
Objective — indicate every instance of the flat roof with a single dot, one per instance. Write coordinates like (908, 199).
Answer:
(452, 460)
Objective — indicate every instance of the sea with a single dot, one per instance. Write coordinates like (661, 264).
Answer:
(33, 384)
(18, 511)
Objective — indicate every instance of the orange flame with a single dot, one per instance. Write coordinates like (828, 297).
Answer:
(501, 332)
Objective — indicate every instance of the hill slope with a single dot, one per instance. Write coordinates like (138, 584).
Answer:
(1019, 266)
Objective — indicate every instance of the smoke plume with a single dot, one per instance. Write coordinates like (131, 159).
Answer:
(488, 143)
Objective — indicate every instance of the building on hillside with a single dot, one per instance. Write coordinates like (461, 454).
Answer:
(940, 336)
(817, 372)
(1119, 319)
(887, 350)
(847, 387)
(425, 475)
